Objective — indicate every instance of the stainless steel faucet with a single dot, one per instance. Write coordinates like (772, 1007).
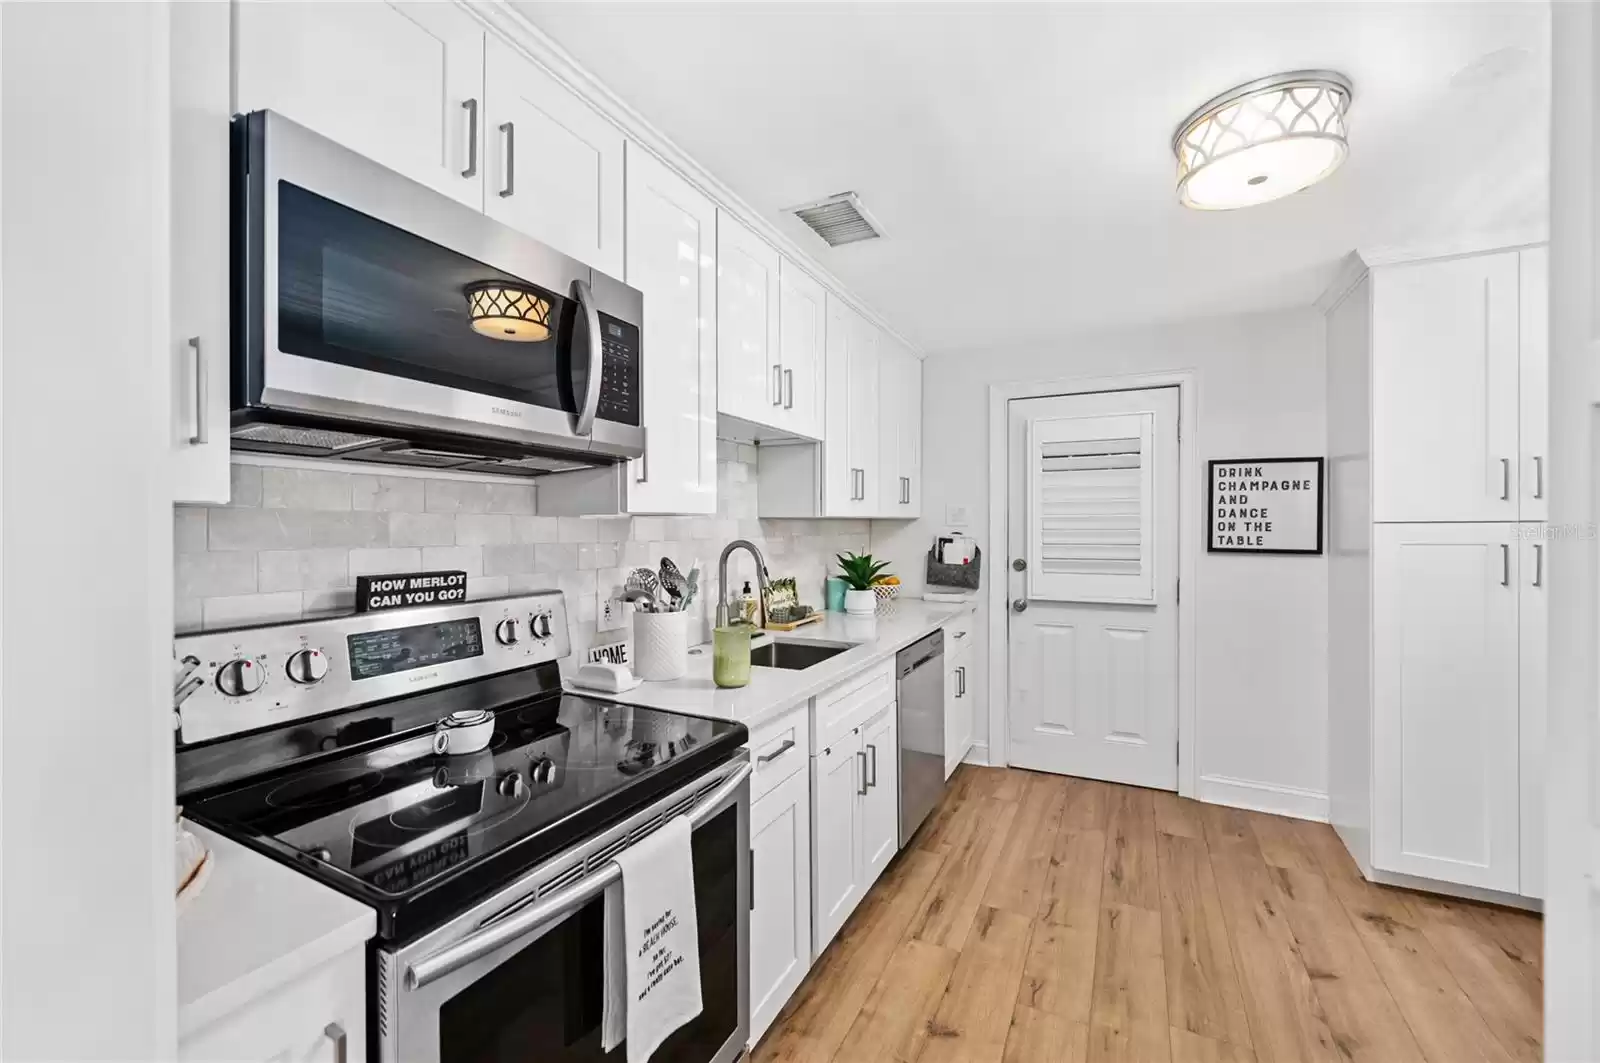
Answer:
(722, 580)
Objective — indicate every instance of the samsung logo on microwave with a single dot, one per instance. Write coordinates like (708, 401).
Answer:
(503, 412)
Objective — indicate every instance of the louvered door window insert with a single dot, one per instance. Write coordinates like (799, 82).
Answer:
(1090, 519)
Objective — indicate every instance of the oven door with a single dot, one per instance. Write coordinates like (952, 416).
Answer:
(519, 979)
(373, 300)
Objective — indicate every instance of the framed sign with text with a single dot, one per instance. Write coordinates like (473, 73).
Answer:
(1265, 506)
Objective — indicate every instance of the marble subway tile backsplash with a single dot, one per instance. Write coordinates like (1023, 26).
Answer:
(292, 542)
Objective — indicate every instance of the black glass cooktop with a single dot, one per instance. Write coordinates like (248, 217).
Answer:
(417, 834)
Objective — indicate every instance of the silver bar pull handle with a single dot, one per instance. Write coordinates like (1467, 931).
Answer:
(777, 385)
(752, 880)
(1505, 479)
(768, 758)
(1538, 564)
(341, 1042)
(510, 131)
(1538, 476)
(201, 388)
(788, 389)
(862, 757)
(556, 906)
(1505, 565)
(471, 107)
(872, 750)
(596, 368)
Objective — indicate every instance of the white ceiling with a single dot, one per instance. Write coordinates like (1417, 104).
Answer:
(1019, 155)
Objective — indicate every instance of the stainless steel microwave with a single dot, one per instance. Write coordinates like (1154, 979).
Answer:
(377, 320)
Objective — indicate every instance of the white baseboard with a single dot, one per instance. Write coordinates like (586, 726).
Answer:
(977, 754)
(1264, 797)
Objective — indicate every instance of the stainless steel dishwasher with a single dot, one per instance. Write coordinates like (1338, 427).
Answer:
(919, 689)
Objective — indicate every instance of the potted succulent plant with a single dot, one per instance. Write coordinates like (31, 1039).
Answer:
(860, 572)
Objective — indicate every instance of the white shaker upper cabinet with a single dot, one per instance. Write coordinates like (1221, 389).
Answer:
(1445, 373)
(850, 455)
(750, 382)
(672, 259)
(552, 164)
(1445, 700)
(1534, 420)
(802, 319)
(401, 83)
(201, 110)
(899, 430)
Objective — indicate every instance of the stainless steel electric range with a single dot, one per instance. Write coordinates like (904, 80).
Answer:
(314, 743)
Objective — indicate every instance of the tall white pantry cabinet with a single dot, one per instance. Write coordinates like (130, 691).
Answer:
(1439, 560)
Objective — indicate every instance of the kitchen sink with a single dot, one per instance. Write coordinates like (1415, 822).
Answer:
(795, 654)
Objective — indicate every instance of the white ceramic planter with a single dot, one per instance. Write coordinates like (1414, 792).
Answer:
(660, 645)
(860, 603)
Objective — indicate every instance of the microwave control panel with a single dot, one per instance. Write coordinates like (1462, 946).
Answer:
(619, 377)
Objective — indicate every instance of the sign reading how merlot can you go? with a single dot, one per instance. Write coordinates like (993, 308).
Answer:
(409, 588)
(1265, 506)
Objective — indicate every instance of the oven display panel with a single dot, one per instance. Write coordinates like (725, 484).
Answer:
(377, 653)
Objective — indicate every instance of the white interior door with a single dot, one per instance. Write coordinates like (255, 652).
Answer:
(1093, 517)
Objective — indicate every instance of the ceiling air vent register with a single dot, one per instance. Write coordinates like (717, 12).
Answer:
(839, 219)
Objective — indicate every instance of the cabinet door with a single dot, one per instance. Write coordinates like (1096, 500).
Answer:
(862, 400)
(1444, 390)
(891, 496)
(802, 307)
(850, 453)
(750, 381)
(836, 884)
(780, 913)
(201, 109)
(672, 259)
(959, 707)
(319, 1017)
(1445, 742)
(399, 82)
(1534, 365)
(880, 805)
(911, 434)
(1533, 629)
(553, 164)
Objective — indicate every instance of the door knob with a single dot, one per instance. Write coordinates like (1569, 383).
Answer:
(1020, 605)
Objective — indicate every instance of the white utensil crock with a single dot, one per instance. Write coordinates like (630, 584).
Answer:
(660, 645)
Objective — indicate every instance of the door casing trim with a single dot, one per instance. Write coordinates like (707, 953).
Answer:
(1189, 529)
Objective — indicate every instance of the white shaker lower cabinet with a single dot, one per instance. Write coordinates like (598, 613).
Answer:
(1533, 694)
(837, 883)
(961, 684)
(780, 904)
(672, 258)
(320, 1017)
(880, 805)
(1446, 727)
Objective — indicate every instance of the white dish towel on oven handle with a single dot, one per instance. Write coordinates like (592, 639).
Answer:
(652, 947)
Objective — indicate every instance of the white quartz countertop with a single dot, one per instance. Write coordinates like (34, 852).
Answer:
(255, 926)
(773, 690)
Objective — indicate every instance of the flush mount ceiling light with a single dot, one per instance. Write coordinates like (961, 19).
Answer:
(1263, 140)
(505, 311)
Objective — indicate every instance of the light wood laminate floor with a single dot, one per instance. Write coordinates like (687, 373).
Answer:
(1042, 918)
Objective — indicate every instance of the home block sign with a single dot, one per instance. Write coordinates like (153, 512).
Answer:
(1266, 506)
(409, 588)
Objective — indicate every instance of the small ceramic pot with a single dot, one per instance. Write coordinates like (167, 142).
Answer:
(860, 603)
(463, 732)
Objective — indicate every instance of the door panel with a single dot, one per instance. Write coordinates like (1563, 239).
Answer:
(836, 839)
(780, 918)
(802, 311)
(749, 374)
(862, 402)
(1445, 683)
(1534, 364)
(390, 80)
(1094, 653)
(1533, 695)
(554, 166)
(672, 259)
(1444, 390)
(880, 807)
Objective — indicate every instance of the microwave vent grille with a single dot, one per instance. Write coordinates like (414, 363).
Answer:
(318, 439)
(839, 219)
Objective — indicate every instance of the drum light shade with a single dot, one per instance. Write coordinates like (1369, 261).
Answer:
(505, 311)
(1263, 140)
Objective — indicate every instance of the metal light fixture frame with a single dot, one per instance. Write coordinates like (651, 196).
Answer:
(1297, 124)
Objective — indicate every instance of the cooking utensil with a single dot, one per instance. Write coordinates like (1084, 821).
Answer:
(642, 600)
(672, 582)
(642, 579)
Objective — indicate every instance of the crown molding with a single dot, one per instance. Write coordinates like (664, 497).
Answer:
(1472, 242)
(1351, 269)
(516, 30)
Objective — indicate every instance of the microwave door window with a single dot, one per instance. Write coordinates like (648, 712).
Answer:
(359, 292)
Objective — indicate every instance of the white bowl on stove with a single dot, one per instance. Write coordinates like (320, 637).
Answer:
(463, 732)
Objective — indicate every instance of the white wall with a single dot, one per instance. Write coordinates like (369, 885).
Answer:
(87, 948)
(1261, 671)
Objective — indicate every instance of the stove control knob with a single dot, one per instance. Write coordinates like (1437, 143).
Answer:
(511, 784)
(238, 678)
(543, 770)
(307, 667)
(539, 625)
(505, 633)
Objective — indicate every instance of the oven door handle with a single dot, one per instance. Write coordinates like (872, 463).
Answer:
(554, 907)
(591, 395)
